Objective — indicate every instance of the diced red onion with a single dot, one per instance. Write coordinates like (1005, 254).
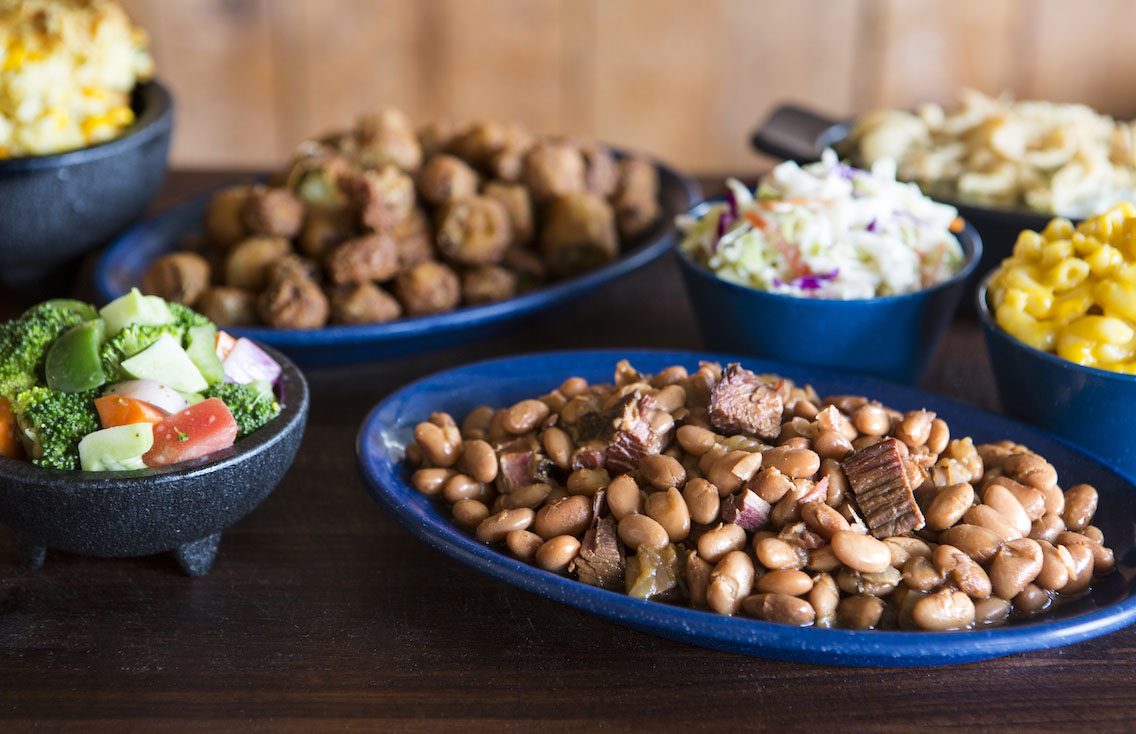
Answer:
(249, 363)
(152, 392)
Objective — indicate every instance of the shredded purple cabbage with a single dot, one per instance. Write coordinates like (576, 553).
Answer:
(846, 171)
(816, 280)
(732, 202)
(873, 225)
(724, 222)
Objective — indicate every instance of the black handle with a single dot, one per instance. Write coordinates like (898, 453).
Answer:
(793, 133)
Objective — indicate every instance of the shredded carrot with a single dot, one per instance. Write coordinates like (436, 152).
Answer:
(224, 344)
(9, 432)
(756, 219)
(957, 225)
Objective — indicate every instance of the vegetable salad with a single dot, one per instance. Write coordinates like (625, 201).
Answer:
(139, 383)
(827, 230)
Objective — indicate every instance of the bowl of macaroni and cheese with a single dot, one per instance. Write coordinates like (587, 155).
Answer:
(827, 265)
(1059, 317)
(84, 134)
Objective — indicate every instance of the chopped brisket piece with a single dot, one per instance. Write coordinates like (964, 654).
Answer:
(587, 457)
(743, 402)
(633, 438)
(882, 489)
(600, 424)
(522, 468)
(746, 509)
(601, 559)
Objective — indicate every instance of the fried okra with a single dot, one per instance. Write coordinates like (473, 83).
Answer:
(272, 212)
(386, 138)
(446, 177)
(370, 257)
(178, 276)
(601, 174)
(293, 302)
(414, 239)
(246, 265)
(473, 231)
(488, 284)
(382, 198)
(224, 217)
(552, 169)
(323, 229)
(426, 288)
(517, 203)
(637, 200)
(578, 233)
(363, 303)
(228, 306)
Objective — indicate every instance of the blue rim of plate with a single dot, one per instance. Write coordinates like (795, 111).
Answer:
(158, 234)
(379, 464)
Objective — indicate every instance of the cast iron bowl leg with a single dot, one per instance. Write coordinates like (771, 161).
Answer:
(31, 555)
(196, 558)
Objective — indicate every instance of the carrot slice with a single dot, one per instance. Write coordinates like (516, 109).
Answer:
(118, 410)
(9, 432)
(224, 344)
(957, 225)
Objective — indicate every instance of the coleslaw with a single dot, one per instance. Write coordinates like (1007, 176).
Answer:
(827, 230)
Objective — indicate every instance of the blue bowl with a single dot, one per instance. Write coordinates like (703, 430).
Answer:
(892, 337)
(1091, 407)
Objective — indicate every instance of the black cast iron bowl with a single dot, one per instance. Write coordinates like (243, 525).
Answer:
(181, 508)
(55, 207)
(800, 134)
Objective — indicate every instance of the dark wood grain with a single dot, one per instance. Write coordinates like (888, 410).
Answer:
(323, 614)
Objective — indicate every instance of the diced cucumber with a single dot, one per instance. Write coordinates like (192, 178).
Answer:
(202, 350)
(116, 449)
(193, 398)
(135, 308)
(166, 362)
(72, 363)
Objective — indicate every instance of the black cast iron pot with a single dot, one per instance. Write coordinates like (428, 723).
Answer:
(55, 207)
(181, 508)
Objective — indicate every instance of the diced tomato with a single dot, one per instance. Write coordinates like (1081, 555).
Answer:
(119, 410)
(9, 432)
(197, 431)
(224, 344)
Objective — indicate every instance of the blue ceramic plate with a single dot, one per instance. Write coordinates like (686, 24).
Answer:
(122, 265)
(389, 427)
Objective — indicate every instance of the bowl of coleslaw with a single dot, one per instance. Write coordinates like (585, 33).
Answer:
(828, 265)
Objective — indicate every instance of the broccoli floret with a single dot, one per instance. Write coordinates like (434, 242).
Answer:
(185, 317)
(53, 422)
(130, 341)
(24, 342)
(252, 405)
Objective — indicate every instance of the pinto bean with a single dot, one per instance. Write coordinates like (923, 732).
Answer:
(1048, 527)
(871, 420)
(432, 481)
(780, 608)
(1030, 469)
(915, 428)
(715, 544)
(695, 440)
(792, 462)
(702, 500)
(903, 548)
(831, 445)
(861, 552)
(588, 481)
(440, 446)
(989, 518)
(661, 471)
(1080, 506)
(1007, 505)
(638, 530)
(949, 506)
(669, 510)
(823, 519)
(569, 516)
(557, 552)
(920, 574)
(775, 553)
(1056, 567)
(523, 544)
(1082, 571)
(991, 610)
(965, 573)
(1031, 499)
(558, 445)
(494, 528)
(469, 512)
(525, 416)
(770, 485)
(697, 578)
(944, 610)
(730, 582)
(733, 470)
(1103, 559)
(480, 459)
(860, 612)
(624, 497)
(1017, 563)
(824, 598)
(939, 436)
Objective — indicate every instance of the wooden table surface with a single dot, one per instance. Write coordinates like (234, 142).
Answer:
(322, 613)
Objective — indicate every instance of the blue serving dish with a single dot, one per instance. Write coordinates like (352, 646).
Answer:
(388, 429)
(121, 268)
(892, 337)
(1091, 407)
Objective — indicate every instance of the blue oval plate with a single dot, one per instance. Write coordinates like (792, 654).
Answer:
(389, 427)
(120, 268)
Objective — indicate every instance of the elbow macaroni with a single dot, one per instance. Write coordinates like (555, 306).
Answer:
(1073, 292)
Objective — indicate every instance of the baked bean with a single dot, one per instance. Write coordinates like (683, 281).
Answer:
(949, 506)
(903, 548)
(558, 445)
(1006, 505)
(860, 612)
(864, 442)
(1056, 567)
(439, 448)
(661, 423)
(1047, 527)
(496, 432)
(523, 544)
(871, 420)
(431, 482)
(1054, 500)
(1080, 506)
(1031, 499)
(463, 487)
(697, 578)
(915, 428)
(1033, 599)
(639, 530)
(525, 416)
(669, 510)
(588, 481)
(805, 409)
(556, 553)
(661, 472)
(920, 574)
(780, 608)
(480, 460)
(494, 528)
(824, 598)
(531, 496)
(991, 610)
(860, 552)
(706, 461)
(1082, 570)
(1103, 559)
(702, 500)
(442, 420)
(469, 513)
(1093, 533)
(794, 442)
(775, 553)
(785, 581)
(944, 610)
(966, 574)
(555, 401)
(822, 559)
(939, 436)
(730, 582)
(476, 423)
(671, 398)
(557, 494)
(823, 519)
(770, 485)
(696, 440)
(725, 538)
(569, 516)
(572, 387)
(1030, 469)
(793, 463)
(831, 445)
(733, 470)
(1017, 563)
(669, 376)
(623, 497)
(987, 517)
(837, 481)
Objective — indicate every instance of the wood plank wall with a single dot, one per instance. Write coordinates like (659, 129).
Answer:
(685, 79)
